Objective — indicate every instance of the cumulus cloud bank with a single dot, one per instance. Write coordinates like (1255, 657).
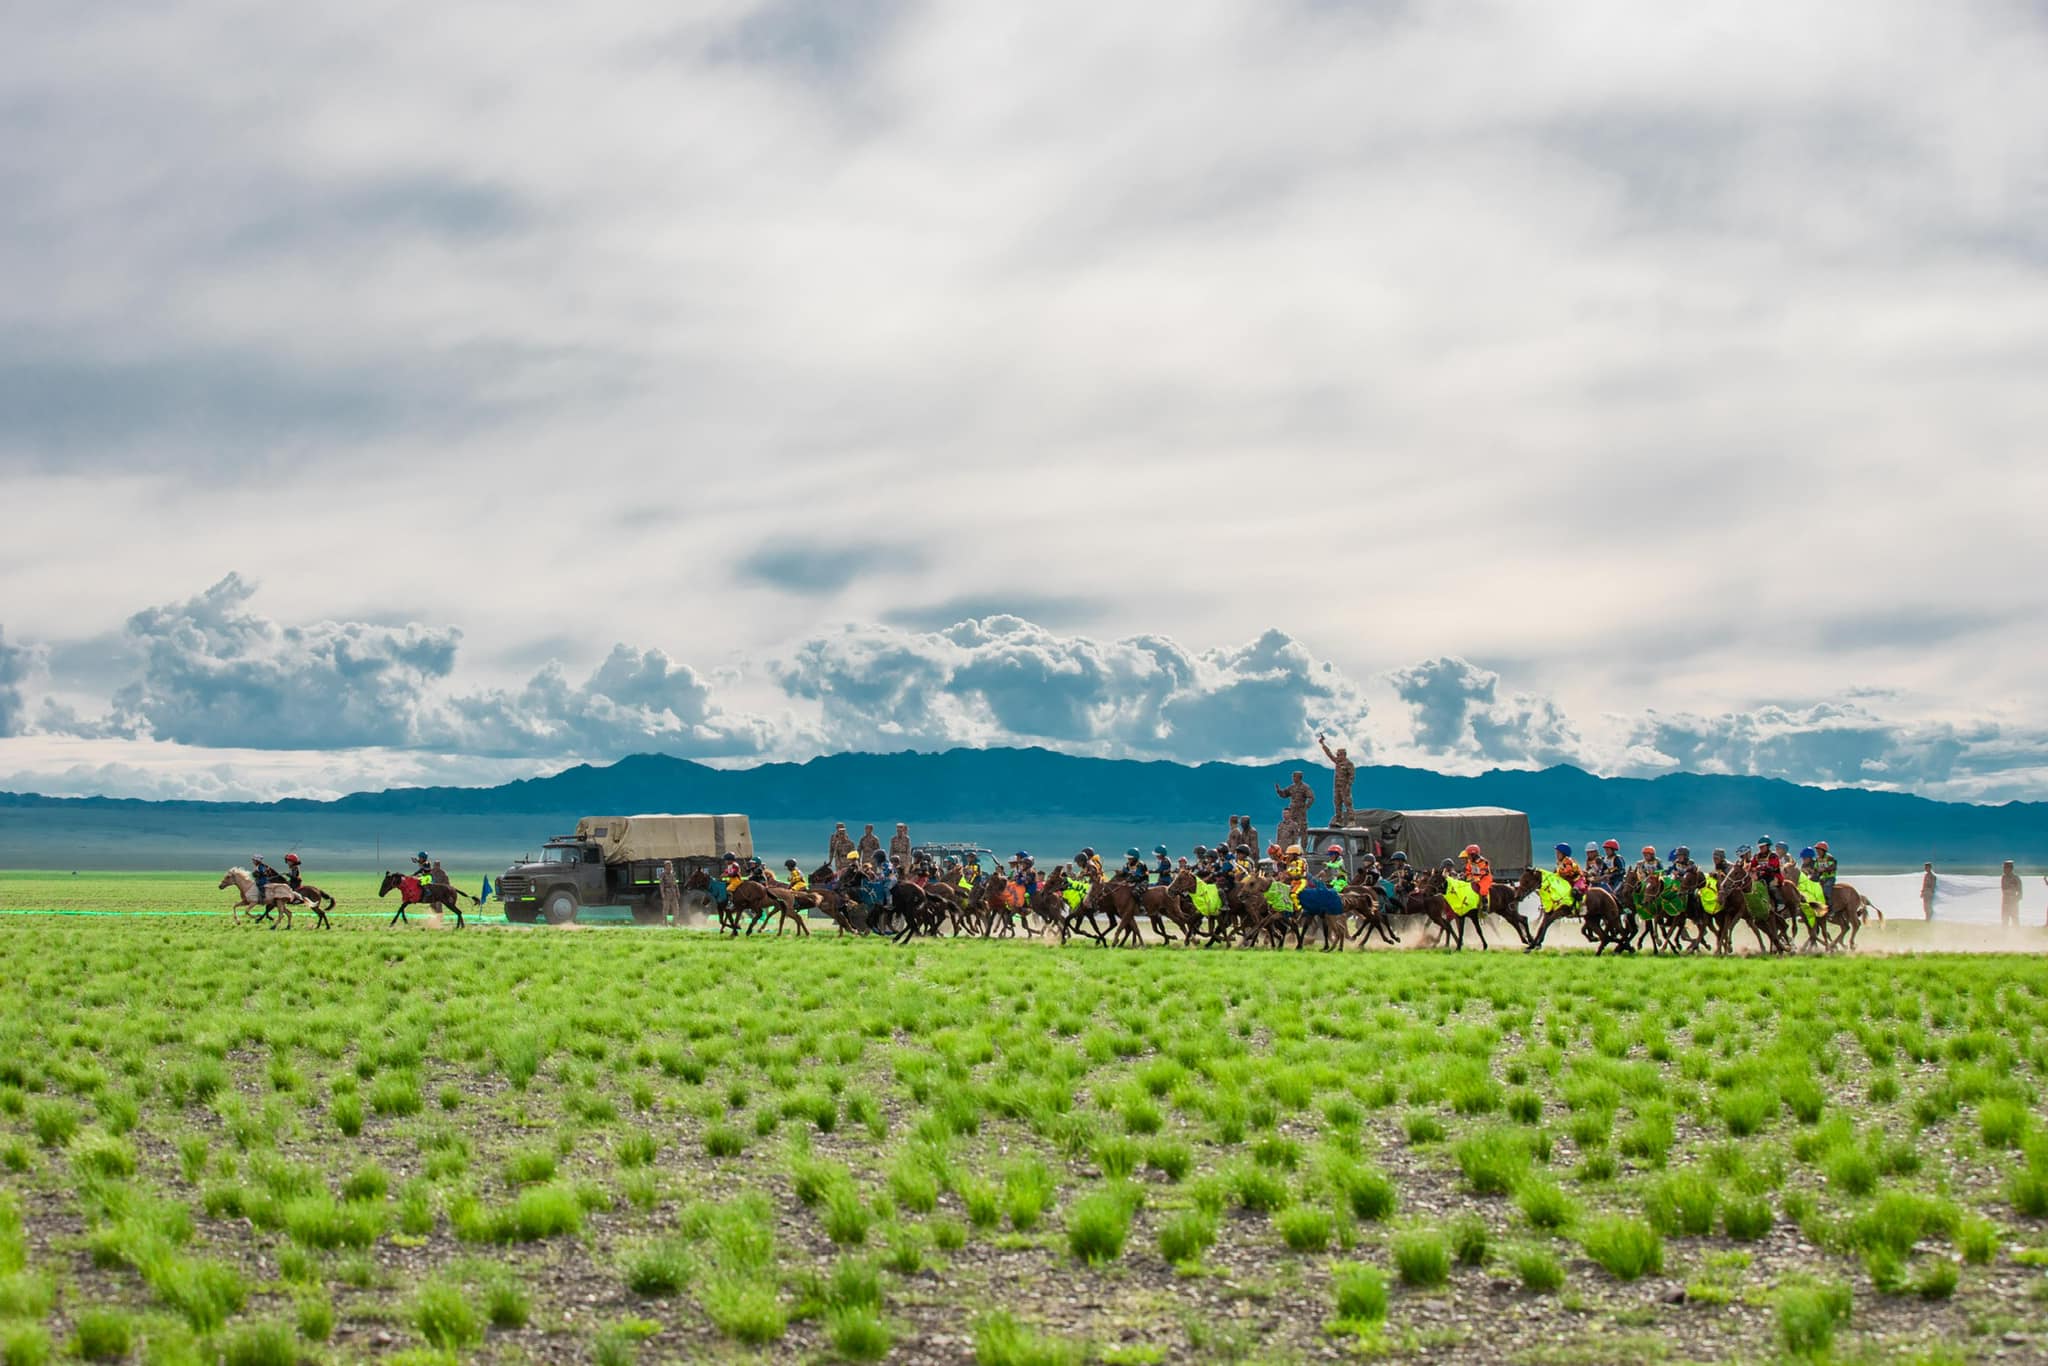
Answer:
(215, 674)
(1003, 680)
(218, 683)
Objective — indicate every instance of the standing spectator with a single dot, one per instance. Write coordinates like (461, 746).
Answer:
(870, 844)
(2009, 897)
(671, 895)
(839, 850)
(1927, 884)
(899, 846)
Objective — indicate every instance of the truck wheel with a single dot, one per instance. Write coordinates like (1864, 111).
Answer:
(560, 906)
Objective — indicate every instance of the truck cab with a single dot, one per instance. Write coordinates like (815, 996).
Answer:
(568, 875)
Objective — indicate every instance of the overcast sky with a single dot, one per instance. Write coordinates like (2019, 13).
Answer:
(451, 391)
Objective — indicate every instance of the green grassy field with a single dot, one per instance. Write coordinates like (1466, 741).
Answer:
(225, 1144)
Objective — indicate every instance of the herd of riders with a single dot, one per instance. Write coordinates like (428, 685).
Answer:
(1643, 901)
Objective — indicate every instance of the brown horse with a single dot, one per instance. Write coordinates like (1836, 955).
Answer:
(1428, 899)
(413, 892)
(1506, 901)
(1735, 910)
(1367, 906)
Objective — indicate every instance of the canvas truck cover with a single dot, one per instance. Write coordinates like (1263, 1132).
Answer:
(1430, 837)
(633, 839)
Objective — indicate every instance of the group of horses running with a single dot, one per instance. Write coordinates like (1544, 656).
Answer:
(1256, 910)
(276, 902)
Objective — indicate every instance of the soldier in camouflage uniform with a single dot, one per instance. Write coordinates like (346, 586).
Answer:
(899, 846)
(1294, 821)
(1247, 836)
(1340, 759)
(870, 844)
(839, 851)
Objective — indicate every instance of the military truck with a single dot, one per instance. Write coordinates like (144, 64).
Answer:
(1430, 837)
(616, 861)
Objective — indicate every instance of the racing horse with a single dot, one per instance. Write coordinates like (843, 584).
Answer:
(413, 892)
(277, 896)
(1506, 901)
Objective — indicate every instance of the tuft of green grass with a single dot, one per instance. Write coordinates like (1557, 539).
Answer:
(1259, 1189)
(2003, 1123)
(1097, 1225)
(1746, 1218)
(442, 1314)
(1305, 1228)
(661, 1267)
(1422, 1258)
(530, 1166)
(847, 1219)
(1000, 1339)
(53, 1122)
(1628, 1248)
(102, 1335)
(1186, 1236)
(1540, 1271)
(1808, 1315)
(260, 1344)
(1683, 1204)
(1027, 1193)
(315, 1316)
(724, 1140)
(1469, 1240)
(24, 1344)
(857, 1332)
(1492, 1160)
(1361, 1293)
(1546, 1205)
(321, 1221)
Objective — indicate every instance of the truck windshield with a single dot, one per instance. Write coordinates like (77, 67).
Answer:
(561, 854)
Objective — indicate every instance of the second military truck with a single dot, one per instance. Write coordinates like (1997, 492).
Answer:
(616, 861)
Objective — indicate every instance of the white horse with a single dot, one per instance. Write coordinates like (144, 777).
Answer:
(277, 896)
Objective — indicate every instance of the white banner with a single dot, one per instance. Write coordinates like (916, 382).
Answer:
(1960, 898)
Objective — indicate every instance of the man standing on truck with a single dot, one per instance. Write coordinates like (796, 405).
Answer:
(839, 851)
(870, 844)
(1347, 772)
(899, 846)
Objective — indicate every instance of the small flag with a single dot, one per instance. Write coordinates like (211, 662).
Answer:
(486, 896)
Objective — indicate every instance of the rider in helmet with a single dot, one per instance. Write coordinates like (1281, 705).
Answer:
(1721, 866)
(1616, 868)
(422, 866)
(1334, 872)
(1162, 865)
(1134, 870)
(1681, 859)
(1567, 866)
(292, 874)
(796, 876)
(1649, 866)
(1478, 871)
(1824, 868)
(1296, 873)
(1025, 872)
(264, 874)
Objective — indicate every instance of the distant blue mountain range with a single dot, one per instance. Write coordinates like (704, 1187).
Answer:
(1037, 790)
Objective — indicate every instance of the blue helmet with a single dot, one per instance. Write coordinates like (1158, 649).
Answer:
(1806, 853)
(1566, 848)
(1159, 849)
(1131, 853)
(1671, 857)
(1022, 857)
(420, 857)
(1397, 857)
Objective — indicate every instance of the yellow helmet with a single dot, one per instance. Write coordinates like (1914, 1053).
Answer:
(1293, 848)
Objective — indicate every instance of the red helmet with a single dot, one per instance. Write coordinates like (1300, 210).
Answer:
(1471, 849)
(1612, 844)
(291, 858)
(1334, 849)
